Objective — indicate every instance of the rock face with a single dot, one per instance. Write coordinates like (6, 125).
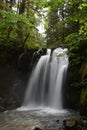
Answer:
(76, 89)
(15, 66)
(12, 85)
(83, 70)
(71, 94)
(36, 128)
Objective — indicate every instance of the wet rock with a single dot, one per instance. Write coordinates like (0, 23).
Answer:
(36, 128)
(70, 123)
(57, 121)
(64, 122)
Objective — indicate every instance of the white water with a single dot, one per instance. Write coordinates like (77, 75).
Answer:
(44, 89)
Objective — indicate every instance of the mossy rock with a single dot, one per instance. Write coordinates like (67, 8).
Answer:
(70, 123)
(83, 70)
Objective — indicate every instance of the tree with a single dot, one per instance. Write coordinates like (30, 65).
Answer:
(65, 18)
(57, 29)
(19, 21)
(78, 37)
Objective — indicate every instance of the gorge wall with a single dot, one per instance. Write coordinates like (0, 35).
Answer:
(14, 73)
(15, 67)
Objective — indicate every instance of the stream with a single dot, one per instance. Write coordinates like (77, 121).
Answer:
(45, 119)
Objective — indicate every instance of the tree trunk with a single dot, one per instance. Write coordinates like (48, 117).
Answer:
(22, 7)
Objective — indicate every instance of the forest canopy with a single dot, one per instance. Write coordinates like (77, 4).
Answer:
(65, 22)
(19, 21)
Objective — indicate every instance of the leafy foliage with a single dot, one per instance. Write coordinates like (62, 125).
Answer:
(56, 28)
(18, 26)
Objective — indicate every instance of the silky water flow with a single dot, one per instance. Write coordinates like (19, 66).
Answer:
(44, 89)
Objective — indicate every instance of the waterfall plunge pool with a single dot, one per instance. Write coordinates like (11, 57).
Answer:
(46, 119)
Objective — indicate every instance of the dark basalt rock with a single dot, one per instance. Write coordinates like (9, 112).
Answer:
(37, 128)
(15, 68)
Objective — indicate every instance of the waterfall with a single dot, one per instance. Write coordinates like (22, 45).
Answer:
(47, 80)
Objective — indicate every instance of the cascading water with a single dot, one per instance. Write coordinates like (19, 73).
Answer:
(47, 79)
(58, 67)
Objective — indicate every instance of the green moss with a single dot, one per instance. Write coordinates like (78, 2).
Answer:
(83, 69)
(83, 100)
